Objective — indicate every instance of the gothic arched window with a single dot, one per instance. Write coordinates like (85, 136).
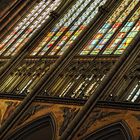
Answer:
(24, 29)
(68, 28)
(116, 131)
(123, 24)
(42, 128)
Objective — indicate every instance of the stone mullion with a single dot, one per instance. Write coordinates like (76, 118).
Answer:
(60, 64)
(127, 90)
(24, 83)
(118, 30)
(123, 92)
(22, 78)
(114, 76)
(114, 92)
(76, 81)
(6, 7)
(37, 78)
(76, 84)
(25, 50)
(68, 39)
(89, 83)
(52, 86)
(91, 70)
(65, 81)
(57, 41)
(121, 74)
(134, 94)
(23, 33)
(93, 79)
(97, 82)
(54, 89)
(71, 89)
(107, 32)
(128, 87)
(60, 37)
(15, 15)
(120, 89)
(13, 84)
(5, 84)
(34, 70)
(17, 80)
(138, 99)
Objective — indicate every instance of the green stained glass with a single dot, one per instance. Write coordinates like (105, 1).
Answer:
(71, 25)
(99, 40)
(123, 32)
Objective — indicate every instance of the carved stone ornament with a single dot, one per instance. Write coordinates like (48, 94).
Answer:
(68, 115)
(96, 115)
(31, 111)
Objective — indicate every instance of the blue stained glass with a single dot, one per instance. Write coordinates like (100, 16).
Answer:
(115, 21)
(94, 41)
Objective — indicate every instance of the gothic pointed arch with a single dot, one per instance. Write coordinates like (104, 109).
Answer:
(42, 128)
(115, 131)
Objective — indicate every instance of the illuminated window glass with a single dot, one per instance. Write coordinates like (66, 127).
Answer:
(69, 27)
(123, 32)
(126, 42)
(108, 29)
(135, 93)
(27, 26)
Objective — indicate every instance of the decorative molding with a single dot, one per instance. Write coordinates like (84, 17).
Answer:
(108, 130)
(137, 116)
(31, 111)
(98, 114)
(37, 123)
(134, 70)
(72, 101)
(11, 106)
(68, 115)
(119, 105)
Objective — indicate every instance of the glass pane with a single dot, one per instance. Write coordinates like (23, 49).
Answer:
(26, 27)
(68, 28)
(99, 40)
(123, 32)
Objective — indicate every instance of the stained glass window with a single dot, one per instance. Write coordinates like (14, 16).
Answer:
(27, 26)
(132, 22)
(69, 27)
(134, 93)
(126, 42)
(115, 22)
